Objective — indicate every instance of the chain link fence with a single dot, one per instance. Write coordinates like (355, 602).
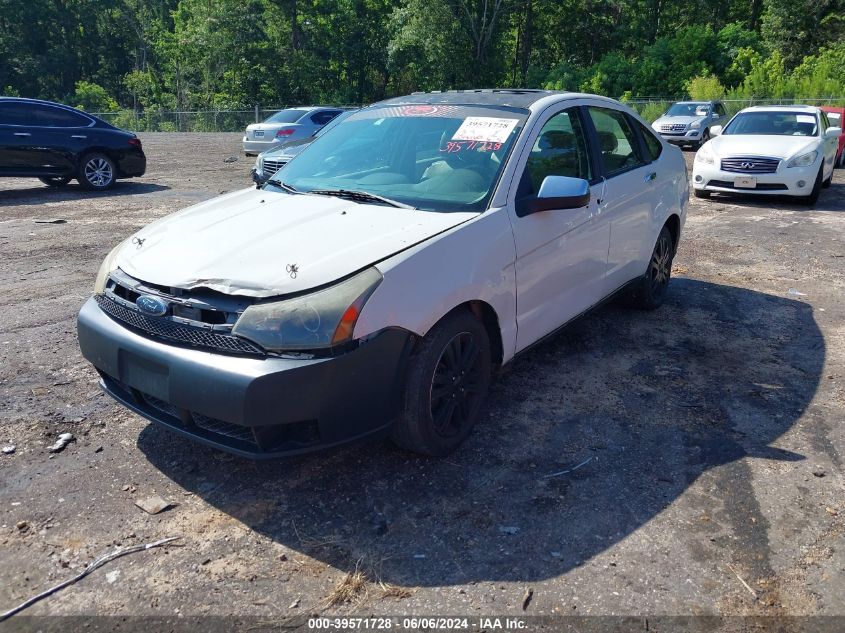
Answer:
(188, 120)
(650, 108)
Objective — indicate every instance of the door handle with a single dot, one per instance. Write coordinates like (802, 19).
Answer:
(78, 136)
(22, 134)
(650, 177)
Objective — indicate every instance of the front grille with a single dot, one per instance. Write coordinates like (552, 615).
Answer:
(226, 429)
(272, 166)
(163, 328)
(761, 186)
(750, 164)
(673, 127)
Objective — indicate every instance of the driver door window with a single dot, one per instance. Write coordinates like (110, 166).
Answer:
(617, 141)
(560, 150)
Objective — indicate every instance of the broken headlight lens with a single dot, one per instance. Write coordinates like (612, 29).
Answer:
(106, 268)
(317, 320)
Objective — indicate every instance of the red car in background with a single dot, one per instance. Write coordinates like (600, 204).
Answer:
(836, 117)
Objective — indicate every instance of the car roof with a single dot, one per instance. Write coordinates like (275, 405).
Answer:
(695, 102)
(511, 97)
(42, 102)
(781, 108)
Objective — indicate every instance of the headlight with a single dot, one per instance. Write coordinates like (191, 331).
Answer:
(106, 268)
(695, 125)
(704, 155)
(805, 160)
(320, 319)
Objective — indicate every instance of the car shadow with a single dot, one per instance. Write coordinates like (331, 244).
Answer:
(39, 194)
(585, 439)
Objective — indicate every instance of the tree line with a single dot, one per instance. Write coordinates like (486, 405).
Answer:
(149, 55)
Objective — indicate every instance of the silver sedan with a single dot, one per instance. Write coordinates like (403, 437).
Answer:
(286, 125)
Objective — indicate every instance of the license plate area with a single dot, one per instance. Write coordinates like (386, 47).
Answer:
(258, 133)
(144, 375)
(745, 182)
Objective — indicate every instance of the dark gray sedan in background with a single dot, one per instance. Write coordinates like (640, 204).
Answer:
(287, 125)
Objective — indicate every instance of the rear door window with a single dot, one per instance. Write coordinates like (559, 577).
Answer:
(48, 116)
(321, 118)
(652, 145)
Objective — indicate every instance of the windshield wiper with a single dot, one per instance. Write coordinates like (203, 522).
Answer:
(360, 196)
(283, 185)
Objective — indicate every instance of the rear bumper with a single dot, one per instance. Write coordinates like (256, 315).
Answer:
(132, 165)
(256, 147)
(254, 407)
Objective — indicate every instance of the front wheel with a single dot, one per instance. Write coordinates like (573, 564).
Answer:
(817, 187)
(448, 378)
(650, 290)
(55, 181)
(704, 138)
(96, 172)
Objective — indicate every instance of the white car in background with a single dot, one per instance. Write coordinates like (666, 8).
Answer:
(373, 292)
(768, 150)
(286, 125)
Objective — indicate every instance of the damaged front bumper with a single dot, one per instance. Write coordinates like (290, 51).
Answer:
(258, 407)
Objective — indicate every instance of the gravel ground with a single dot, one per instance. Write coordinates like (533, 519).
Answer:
(710, 433)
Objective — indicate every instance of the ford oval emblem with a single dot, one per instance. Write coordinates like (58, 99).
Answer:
(149, 304)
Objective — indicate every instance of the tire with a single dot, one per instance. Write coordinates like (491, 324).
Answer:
(817, 187)
(827, 183)
(96, 172)
(700, 193)
(454, 359)
(704, 138)
(650, 291)
(842, 158)
(55, 181)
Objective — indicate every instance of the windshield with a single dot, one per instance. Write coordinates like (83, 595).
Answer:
(286, 116)
(689, 109)
(774, 124)
(432, 157)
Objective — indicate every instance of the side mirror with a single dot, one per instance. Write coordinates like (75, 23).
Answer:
(556, 192)
(833, 132)
(716, 130)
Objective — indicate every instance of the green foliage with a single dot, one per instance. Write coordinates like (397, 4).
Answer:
(653, 111)
(705, 88)
(142, 59)
(91, 97)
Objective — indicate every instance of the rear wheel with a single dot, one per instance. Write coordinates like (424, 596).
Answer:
(96, 172)
(448, 378)
(55, 181)
(650, 291)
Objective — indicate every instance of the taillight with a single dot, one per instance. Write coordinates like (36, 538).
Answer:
(135, 142)
(286, 132)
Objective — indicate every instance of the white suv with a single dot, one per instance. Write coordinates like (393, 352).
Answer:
(374, 291)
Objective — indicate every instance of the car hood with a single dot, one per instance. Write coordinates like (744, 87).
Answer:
(259, 243)
(686, 120)
(762, 145)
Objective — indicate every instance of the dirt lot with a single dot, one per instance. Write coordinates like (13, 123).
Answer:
(713, 429)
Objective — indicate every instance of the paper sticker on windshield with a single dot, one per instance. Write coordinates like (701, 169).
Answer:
(805, 118)
(485, 129)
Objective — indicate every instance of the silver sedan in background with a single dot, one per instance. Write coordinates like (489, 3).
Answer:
(287, 125)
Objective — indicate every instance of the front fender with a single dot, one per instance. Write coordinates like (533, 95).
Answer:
(473, 261)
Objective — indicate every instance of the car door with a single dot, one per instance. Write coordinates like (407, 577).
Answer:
(830, 145)
(628, 195)
(720, 115)
(62, 135)
(16, 141)
(561, 255)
